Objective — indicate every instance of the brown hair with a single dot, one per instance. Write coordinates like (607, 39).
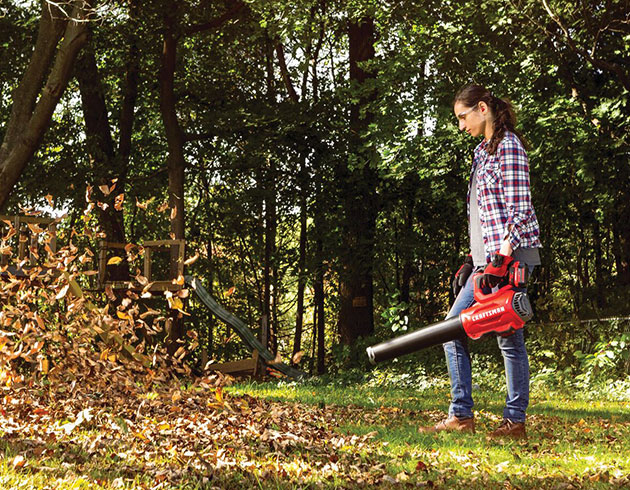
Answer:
(504, 116)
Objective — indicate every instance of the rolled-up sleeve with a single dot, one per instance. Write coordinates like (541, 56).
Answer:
(514, 166)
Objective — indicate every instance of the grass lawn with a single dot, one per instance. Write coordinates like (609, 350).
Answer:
(571, 443)
(289, 435)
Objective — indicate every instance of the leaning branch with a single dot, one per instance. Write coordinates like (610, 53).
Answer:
(286, 77)
(217, 21)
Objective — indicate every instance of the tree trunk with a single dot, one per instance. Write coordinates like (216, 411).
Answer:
(299, 319)
(30, 119)
(410, 188)
(319, 324)
(176, 161)
(358, 187)
(311, 364)
(269, 268)
(130, 93)
(319, 308)
(100, 145)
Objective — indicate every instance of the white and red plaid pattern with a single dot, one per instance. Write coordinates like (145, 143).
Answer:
(504, 196)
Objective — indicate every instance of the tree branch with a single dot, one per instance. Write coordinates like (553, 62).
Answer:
(286, 77)
(20, 153)
(610, 66)
(217, 21)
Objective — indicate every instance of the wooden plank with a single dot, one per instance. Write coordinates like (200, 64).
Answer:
(102, 264)
(147, 263)
(163, 243)
(134, 286)
(244, 365)
(34, 245)
(148, 246)
(180, 259)
(52, 230)
(22, 241)
(118, 245)
(30, 219)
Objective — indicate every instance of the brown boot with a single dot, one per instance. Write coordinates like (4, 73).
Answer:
(451, 424)
(515, 430)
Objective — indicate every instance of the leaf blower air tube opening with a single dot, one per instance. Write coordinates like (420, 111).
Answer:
(500, 313)
(435, 334)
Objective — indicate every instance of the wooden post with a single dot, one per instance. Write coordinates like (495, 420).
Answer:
(147, 262)
(102, 264)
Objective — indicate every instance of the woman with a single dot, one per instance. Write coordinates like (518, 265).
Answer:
(503, 227)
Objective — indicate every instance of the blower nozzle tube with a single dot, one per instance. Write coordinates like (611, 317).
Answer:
(434, 334)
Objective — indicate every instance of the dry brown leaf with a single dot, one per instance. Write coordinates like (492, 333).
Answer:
(104, 189)
(18, 462)
(43, 365)
(297, 357)
(149, 312)
(162, 207)
(118, 202)
(35, 228)
(175, 303)
(145, 204)
(192, 259)
(173, 213)
(109, 292)
(61, 294)
(143, 281)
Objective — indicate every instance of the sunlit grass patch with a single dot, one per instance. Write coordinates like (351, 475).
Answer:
(571, 442)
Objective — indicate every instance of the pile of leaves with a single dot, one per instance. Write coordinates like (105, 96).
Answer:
(165, 436)
(51, 332)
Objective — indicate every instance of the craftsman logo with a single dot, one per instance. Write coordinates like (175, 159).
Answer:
(489, 313)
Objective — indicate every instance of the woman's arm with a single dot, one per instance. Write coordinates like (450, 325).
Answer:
(514, 166)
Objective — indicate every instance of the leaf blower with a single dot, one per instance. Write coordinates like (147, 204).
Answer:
(501, 313)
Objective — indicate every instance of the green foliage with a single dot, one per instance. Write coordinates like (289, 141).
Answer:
(252, 154)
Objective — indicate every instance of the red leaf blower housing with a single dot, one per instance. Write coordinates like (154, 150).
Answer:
(499, 313)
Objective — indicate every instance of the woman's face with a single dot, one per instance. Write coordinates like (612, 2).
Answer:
(471, 119)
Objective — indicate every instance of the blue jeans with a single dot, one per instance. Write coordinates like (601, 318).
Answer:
(458, 362)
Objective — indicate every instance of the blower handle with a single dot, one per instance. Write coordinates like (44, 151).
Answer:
(516, 277)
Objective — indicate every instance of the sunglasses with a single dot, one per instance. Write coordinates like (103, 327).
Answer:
(462, 115)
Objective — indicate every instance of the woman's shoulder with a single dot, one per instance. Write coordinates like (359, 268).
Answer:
(510, 142)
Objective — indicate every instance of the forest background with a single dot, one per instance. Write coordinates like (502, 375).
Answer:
(308, 154)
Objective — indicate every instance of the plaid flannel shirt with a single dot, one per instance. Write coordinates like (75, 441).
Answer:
(504, 196)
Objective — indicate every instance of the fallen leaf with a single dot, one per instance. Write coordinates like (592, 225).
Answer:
(18, 461)
(122, 315)
(61, 294)
(114, 261)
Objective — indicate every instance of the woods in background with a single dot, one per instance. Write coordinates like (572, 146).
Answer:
(308, 150)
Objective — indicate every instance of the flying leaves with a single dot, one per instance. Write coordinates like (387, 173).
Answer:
(114, 261)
